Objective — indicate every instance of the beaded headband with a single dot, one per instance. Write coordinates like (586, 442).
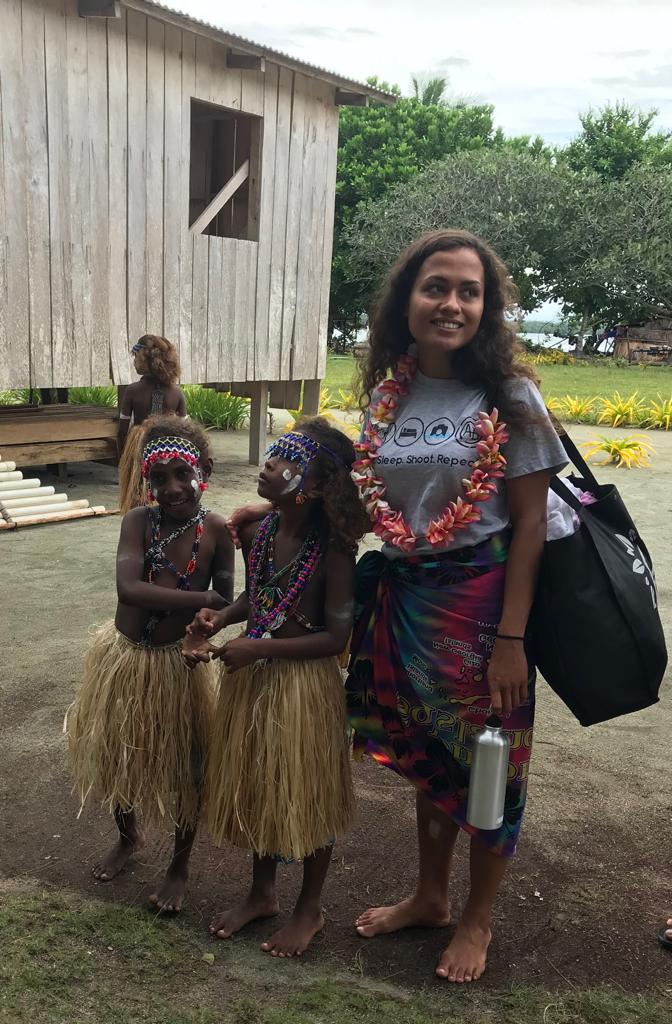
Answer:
(163, 449)
(296, 447)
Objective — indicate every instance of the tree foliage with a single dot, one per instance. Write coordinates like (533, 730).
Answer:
(589, 226)
(381, 147)
(615, 139)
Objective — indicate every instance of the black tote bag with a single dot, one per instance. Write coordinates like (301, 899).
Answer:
(595, 627)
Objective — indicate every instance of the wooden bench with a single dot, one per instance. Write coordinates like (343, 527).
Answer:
(50, 434)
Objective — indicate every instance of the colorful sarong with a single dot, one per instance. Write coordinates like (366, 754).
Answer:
(417, 688)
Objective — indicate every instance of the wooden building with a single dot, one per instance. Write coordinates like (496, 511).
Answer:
(161, 175)
(650, 342)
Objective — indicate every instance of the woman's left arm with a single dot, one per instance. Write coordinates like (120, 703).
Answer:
(507, 669)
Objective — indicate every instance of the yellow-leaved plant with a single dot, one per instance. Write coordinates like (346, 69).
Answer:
(632, 451)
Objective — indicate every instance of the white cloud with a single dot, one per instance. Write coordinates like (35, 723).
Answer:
(539, 64)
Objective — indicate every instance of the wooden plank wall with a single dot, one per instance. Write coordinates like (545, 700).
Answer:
(95, 247)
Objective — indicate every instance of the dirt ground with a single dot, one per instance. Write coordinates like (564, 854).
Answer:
(583, 899)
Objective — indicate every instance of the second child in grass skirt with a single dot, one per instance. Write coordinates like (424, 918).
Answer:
(279, 777)
(140, 722)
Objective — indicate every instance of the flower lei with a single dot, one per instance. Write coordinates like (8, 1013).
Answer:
(391, 526)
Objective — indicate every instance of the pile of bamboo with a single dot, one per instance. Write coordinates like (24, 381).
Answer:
(25, 502)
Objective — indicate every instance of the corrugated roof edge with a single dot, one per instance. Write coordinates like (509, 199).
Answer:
(248, 46)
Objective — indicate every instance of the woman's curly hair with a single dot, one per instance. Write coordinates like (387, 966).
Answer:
(169, 425)
(488, 361)
(158, 358)
(346, 517)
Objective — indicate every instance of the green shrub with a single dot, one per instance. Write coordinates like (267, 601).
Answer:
(217, 409)
(93, 396)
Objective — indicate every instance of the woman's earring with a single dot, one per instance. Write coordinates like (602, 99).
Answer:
(300, 498)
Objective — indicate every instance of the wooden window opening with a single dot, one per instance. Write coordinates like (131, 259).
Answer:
(224, 172)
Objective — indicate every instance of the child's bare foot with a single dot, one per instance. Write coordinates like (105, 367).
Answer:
(294, 937)
(224, 925)
(169, 897)
(114, 861)
(409, 913)
(464, 959)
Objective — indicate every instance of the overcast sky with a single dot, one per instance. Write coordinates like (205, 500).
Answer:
(538, 61)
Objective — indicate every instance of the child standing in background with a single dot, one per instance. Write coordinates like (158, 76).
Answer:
(156, 360)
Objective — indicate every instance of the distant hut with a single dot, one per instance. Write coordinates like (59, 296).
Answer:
(650, 342)
(158, 174)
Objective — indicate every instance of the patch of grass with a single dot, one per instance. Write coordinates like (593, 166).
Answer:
(70, 960)
(341, 373)
(582, 380)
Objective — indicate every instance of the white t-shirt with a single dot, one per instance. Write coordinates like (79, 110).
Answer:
(430, 448)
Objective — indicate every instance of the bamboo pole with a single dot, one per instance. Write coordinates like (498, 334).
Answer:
(18, 485)
(8, 474)
(7, 467)
(30, 492)
(58, 517)
(39, 510)
(44, 499)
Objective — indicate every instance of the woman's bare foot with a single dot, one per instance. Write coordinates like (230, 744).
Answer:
(114, 861)
(407, 914)
(464, 959)
(294, 937)
(169, 897)
(224, 925)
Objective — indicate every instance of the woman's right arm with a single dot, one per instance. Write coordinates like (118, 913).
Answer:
(133, 590)
(243, 516)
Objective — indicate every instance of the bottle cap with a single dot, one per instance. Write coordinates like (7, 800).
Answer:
(493, 722)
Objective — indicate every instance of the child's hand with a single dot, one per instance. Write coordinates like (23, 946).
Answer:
(238, 653)
(205, 623)
(247, 514)
(195, 650)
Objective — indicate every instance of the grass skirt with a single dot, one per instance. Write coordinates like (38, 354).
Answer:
(131, 484)
(278, 778)
(138, 729)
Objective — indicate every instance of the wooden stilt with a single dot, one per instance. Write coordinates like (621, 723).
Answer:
(258, 425)
(311, 397)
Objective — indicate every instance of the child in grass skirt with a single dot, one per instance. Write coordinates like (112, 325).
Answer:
(139, 725)
(279, 777)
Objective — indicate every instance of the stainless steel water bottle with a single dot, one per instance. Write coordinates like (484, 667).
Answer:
(487, 784)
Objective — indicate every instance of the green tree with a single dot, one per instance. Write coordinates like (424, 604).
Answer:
(430, 91)
(614, 139)
(381, 147)
(509, 198)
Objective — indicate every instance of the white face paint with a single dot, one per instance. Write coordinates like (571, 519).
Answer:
(293, 484)
(194, 484)
(155, 493)
(287, 475)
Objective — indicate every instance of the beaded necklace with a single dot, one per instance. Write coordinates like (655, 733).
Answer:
(270, 606)
(391, 526)
(156, 559)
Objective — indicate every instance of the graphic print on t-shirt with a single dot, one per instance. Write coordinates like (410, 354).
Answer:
(420, 442)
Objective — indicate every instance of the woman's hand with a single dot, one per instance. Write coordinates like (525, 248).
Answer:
(238, 653)
(246, 514)
(507, 676)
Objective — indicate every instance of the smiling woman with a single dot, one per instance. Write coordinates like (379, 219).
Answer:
(441, 613)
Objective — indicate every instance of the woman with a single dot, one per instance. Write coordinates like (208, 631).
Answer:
(442, 612)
